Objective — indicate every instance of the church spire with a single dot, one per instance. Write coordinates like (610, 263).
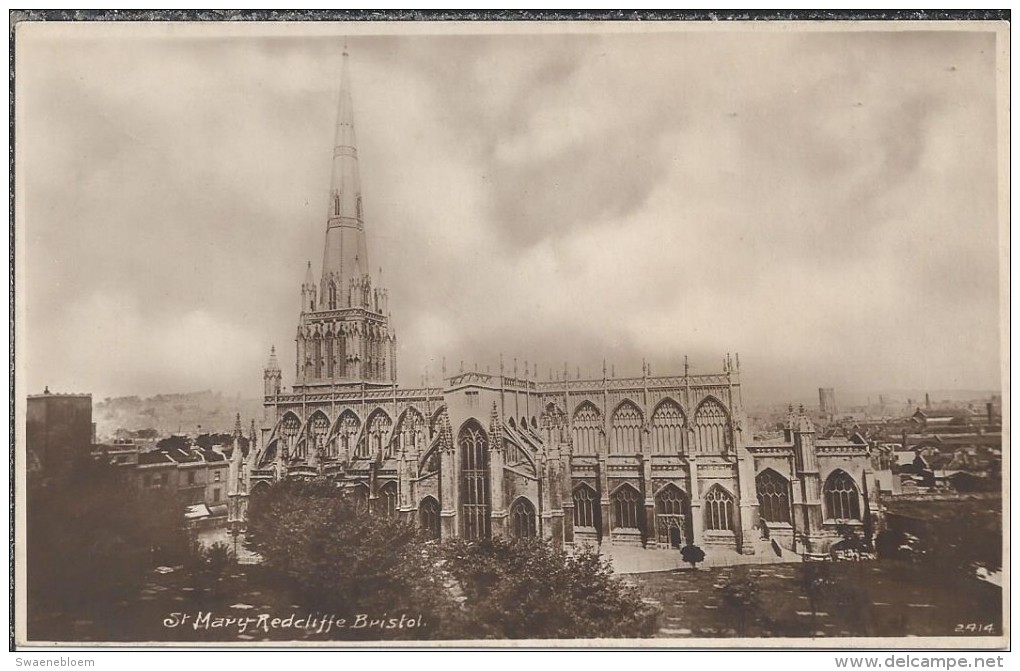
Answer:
(343, 334)
(346, 256)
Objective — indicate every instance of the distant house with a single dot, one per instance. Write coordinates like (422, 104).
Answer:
(956, 419)
(199, 475)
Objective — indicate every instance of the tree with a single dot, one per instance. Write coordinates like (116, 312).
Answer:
(340, 558)
(528, 588)
(93, 538)
(208, 440)
(173, 442)
(693, 555)
(953, 538)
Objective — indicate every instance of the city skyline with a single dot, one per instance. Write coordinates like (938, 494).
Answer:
(824, 204)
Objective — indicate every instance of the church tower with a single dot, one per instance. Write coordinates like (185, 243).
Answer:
(344, 335)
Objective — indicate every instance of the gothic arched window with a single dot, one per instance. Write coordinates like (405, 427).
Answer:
(718, 509)
(586, 506)
(332, 295)
(626, 429)
(667, 428)
(347, 434)
(670, 501)
(379, 425)
(522, 519)
(712, 426)
(587, 422)
(474, 484)
(289, 426)
(319, 429)
(552, 421)
(773, 496)
(388, 499)
(842, 501)
(336, 204)
(411, 428)
(428, 515)
(626, 508)
(289, 430)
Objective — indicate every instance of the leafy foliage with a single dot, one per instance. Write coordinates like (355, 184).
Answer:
(207, 440)
(174, 442)
(93, 537)
(531, 589)
(952, 538)
(340, 558)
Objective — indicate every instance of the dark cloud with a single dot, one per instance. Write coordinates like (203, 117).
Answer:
(824, 203)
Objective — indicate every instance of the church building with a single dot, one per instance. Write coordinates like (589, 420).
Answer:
(655, 461)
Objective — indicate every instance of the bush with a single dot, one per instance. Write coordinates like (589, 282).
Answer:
(530, 589)
(693, 555)
(209, 570)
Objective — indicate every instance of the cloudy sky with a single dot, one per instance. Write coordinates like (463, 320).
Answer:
(824, 203)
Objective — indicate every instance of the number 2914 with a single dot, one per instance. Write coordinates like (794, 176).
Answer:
(974, 628)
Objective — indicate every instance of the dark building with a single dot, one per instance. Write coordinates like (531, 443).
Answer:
(58, 430)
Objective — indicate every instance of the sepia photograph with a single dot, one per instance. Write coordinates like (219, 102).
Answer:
(658, 334)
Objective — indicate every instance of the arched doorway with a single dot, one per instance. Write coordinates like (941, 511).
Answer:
(672, 515)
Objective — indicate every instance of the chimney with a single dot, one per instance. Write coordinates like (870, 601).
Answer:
(989, 411)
